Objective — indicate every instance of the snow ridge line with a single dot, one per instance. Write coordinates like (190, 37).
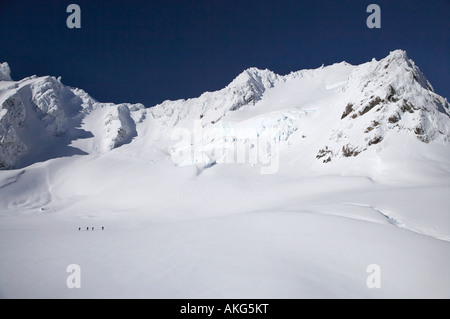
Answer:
(400, 224)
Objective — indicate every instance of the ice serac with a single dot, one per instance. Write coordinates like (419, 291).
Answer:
(40, 118)
(33, 112)
(5, 72)
(119, 126)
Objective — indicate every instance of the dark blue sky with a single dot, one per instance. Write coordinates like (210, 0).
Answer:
(149, 51)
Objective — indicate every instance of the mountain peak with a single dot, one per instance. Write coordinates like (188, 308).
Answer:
(398, 54)
(390, 95)
(398, 62)
(249, 86)
(256, 76)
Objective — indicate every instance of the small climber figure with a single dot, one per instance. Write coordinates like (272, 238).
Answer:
(103, 227)
(92, 228)
(87, 228)
(79, 228)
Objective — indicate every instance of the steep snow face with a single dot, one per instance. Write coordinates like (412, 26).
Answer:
(248, 87)
(391, 95)
(54, 104)
(33, 112)
(12, 117)
(245, 90)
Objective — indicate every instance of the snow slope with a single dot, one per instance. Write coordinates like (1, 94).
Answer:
(272, 187)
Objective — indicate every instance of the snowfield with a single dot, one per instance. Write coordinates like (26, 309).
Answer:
(359, 176)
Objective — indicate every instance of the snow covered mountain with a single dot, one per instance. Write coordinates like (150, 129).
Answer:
(276, 186)
(343, 109)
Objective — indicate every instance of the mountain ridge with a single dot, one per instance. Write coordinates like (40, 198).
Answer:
(368, 101)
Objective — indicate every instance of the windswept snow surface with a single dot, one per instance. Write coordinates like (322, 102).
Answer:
(357, 173)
